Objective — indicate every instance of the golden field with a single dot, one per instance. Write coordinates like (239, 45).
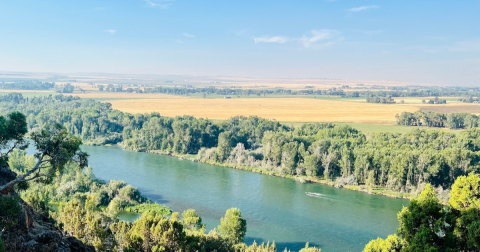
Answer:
(280, 109)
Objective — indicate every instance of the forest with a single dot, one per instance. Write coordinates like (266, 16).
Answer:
(57, 182)
(84, 207)
(439, 120)
(400, 163)
(421, 161)
(27, 85)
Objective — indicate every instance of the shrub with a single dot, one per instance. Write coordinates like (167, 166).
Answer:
(9, 211)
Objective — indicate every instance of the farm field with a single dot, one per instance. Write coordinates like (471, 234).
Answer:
(284, 108)
(280, 109)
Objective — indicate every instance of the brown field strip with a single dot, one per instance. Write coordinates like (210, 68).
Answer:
(280, 109)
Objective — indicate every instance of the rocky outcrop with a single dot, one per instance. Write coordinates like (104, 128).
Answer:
(34, 232)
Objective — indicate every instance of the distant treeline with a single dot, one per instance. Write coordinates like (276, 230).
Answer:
(372, 94)
(399, 162)
(27, 85)
(440, 120)
(340, 91)
(376, 99)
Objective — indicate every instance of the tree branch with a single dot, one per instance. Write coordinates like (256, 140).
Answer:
(23, 178)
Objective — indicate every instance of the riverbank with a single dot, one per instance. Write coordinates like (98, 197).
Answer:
(302, 179)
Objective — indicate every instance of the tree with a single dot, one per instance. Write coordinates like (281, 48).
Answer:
(465, 193)
(191, 220)
(391, 244)
(85, 224)
(422, 222)
(55, 148)
(233, 227)
(465, 199)
(12, 132)
(224, 145)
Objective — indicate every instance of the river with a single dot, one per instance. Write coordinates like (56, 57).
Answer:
(276, 209)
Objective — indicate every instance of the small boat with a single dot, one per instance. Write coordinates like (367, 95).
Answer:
(314, 194)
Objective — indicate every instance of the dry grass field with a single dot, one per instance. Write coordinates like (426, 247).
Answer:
(280, 109)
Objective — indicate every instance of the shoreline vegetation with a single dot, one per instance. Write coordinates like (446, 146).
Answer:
(301, 179)
(73, 200)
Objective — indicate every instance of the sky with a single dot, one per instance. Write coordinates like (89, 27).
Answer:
(428, 41)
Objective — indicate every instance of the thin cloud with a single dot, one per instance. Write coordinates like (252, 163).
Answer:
(271, 39)
(188, 35)
(111, 31)
(320, 38)
(316, 39)
(466, 46)
(363, 8)
(159, 4)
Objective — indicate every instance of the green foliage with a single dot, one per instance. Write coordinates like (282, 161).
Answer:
(391, 244)
(427, 225)
(39, 201)
(465, 212)
(151, 232)
(2, 245)
(191, 220)
(9, 211)
(12, 131)
(441, 120)
(465, 193)
(87, 225)
(152, 207)
(20, 162)
(257, 248)
(422, 222)
(233, 227)
(309, 249)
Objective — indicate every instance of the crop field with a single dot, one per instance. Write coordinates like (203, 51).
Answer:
(280, 109)
(283, 108)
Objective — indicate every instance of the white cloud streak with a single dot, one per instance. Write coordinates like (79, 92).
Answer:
(111, 31)
(159, 4)
(188, 35)
(316, 39)
(320, 38)
(271, 39)
(363, 8)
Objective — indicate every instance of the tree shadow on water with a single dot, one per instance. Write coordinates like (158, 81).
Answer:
(151, 195)
(294, 246)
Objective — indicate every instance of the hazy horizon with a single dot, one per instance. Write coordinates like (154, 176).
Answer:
(428, 42)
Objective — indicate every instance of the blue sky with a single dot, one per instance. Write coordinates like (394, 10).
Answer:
(420, 41)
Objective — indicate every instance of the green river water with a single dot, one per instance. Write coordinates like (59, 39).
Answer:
(276, 209)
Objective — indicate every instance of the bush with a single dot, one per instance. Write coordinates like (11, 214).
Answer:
(152, 207)
(130, 193)
(9, 211)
